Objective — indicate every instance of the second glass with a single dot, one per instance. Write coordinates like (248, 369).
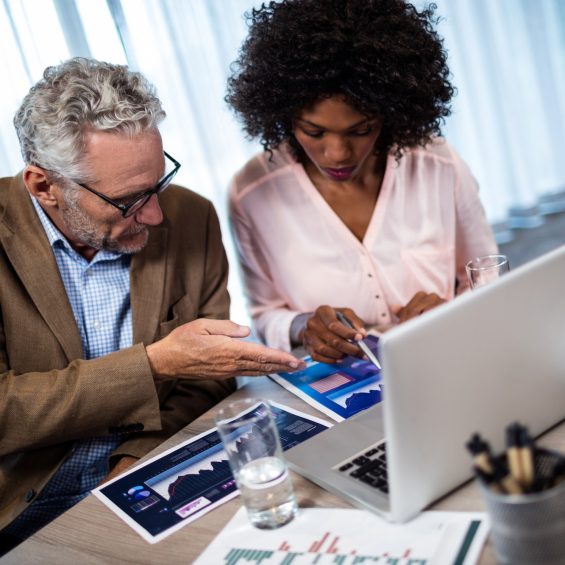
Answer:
(250, 437)
(485, 269)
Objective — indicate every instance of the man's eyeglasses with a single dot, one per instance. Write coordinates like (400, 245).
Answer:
(141, 199)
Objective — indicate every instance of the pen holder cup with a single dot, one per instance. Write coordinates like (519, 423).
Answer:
(529, 528)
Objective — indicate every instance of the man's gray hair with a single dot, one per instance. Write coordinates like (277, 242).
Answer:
(75, 98)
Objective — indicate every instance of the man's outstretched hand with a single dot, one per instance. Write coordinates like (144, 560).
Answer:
(212, 349)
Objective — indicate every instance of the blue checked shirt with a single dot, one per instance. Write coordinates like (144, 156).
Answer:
(99, 294)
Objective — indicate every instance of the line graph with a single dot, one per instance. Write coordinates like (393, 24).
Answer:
(188, 478)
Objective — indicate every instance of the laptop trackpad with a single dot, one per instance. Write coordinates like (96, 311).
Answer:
(341, 441)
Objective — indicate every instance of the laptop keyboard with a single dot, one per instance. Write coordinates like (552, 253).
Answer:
(368, 466)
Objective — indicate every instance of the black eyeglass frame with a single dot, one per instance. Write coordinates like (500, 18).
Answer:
(144, 196)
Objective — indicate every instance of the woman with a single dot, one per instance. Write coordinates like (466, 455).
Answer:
(355, 205)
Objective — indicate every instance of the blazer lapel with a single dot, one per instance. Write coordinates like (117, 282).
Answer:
(147, 292)
(29, 251)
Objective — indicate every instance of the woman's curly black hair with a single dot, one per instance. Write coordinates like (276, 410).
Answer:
(383, 56)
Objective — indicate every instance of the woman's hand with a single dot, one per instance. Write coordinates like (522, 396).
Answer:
(327, 340)
(421, 302)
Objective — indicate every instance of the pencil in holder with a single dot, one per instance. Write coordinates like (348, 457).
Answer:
(529, 528)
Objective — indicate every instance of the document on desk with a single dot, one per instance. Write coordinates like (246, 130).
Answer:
(339, 390)
(347, 536)
(190, 479)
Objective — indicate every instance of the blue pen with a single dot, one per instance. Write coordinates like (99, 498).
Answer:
(362, 345)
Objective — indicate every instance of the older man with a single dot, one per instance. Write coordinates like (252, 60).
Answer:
(113, 301)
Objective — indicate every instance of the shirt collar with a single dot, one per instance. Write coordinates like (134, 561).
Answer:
(52, 233)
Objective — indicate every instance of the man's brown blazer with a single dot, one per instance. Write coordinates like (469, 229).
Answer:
(49, 395)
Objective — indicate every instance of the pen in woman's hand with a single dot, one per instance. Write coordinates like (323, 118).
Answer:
(361, 344)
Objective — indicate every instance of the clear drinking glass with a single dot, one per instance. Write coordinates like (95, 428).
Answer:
(251, 440)
(485, 269)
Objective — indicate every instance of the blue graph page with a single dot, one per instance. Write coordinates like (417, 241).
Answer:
(191, 479)
(339, 390)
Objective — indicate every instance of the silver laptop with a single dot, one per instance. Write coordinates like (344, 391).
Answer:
(488, 358)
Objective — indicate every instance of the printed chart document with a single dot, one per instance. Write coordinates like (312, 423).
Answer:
(339, 390)
(190, 479)
(347, 537)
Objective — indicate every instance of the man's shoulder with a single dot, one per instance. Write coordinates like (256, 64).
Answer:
(184, 193)
(5, 184)
(183, 209)
(12, 190)
(180, 200)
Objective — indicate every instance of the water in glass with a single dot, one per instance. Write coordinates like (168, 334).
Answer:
(267, 492)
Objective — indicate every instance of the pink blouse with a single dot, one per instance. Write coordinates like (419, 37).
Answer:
(296, 254)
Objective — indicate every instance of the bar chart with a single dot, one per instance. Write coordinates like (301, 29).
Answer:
(350, 537)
